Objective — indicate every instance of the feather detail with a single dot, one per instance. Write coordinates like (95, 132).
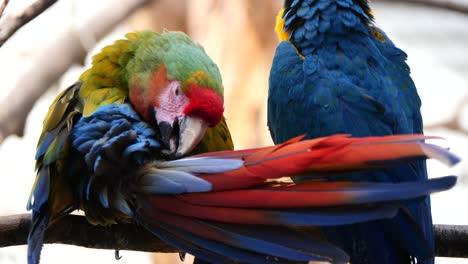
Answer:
(103, 197)
(165, 181)
(200, 165)
(119, 203)
(260, 216)
(440, 154)
(311, 193)
(202, 248)
(262, 235)
(273, 245)
(40, 221)
(322, 156)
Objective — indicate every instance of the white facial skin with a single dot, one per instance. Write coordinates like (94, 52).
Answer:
(172, 102)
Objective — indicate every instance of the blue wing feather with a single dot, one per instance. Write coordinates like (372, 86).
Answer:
(245, 244)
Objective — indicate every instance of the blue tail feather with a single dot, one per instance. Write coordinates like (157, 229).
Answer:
(205, 249)
(40, 221)
(247, 243)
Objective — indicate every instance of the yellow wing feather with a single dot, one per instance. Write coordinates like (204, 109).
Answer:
(53, 148)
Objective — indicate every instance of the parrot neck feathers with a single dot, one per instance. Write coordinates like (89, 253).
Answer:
(281, 32)
(364, 4)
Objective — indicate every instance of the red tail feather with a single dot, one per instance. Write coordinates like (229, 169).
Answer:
(328, 154)
(175, 205)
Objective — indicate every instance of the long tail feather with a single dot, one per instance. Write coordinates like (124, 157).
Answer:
(270, 206)
(181, 242)
(320, 156)
(309, 194)
(229, 207)
(236, 253)
(40, 221)
(302, 217)
(246, 233)
(281, 244)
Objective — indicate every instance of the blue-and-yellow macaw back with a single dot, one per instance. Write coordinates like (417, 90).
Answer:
(336, 72)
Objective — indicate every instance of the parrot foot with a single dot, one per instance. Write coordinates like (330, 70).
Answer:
(117, 255)
(182, 256)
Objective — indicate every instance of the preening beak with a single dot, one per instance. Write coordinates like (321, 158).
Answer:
(191, 132)
(182, 136)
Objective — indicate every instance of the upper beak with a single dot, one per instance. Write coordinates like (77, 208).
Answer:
(183, 136)
(191, 132)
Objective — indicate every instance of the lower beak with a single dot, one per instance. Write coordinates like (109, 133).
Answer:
(182, 137)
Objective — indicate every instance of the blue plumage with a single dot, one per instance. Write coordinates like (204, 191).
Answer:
(114, 134)
(172, 182)
(242, 243)
(338, 73)
(113, 143)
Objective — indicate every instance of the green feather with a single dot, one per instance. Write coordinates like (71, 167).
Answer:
(137, 57)
(185, 60)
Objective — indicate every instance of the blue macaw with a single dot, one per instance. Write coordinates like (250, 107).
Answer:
(336, 72)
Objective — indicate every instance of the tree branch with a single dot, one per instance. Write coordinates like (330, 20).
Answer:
(450, 240)
(75, 230)
(67, 49)
(455, 122)
(3, 6)
(441, 4)
(11, 23)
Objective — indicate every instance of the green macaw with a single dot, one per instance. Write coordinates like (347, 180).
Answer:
(115, 143)
(179, 90)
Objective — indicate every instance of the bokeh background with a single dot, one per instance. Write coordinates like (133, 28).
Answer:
(239, 36)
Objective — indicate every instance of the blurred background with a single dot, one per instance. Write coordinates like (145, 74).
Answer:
(49, 54)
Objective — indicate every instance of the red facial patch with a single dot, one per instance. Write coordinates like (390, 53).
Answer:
(204, 103)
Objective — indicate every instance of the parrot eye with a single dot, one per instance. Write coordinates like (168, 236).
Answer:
(176, 91)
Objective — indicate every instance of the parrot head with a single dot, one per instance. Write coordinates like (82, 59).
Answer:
(291, 8)
(174, 85)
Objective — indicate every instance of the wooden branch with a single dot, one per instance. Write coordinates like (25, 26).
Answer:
(3, 6)
(11, 23)
(455, 6)
(67, 49)
(455, 122)
(75, 230)
(450, 240)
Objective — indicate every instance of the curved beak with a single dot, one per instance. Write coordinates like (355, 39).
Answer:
(192, 130)
(182, 136)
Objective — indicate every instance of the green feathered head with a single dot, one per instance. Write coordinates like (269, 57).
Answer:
(161, 59)
(183, 59)
(169, 80)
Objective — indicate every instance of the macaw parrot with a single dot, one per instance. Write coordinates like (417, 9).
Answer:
(335, 71)
(133, 141)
